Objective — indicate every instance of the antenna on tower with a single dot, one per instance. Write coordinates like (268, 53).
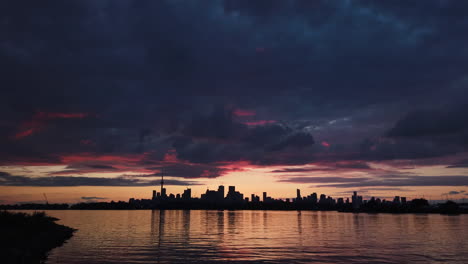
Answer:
(162, 180)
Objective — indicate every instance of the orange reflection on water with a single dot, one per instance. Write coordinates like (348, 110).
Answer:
(177, 236)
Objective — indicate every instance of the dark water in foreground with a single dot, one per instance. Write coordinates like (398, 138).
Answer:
(260, 237)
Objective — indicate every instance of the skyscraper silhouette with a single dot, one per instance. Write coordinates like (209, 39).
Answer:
(221, 191)
(163, 190)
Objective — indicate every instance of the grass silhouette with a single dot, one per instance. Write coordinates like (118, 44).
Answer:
(27, 238)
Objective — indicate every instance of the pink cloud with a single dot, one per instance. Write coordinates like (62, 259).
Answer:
(52, 115)
(25, 133)
(171, 156)
(241, 112)
(260, 122)
(40, 119)
(87, 157)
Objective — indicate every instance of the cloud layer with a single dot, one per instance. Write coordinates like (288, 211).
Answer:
(204, 88)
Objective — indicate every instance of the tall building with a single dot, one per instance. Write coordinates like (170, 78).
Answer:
(187, 194)
(298, 195)
(163, 190)
(154, 194)
(221, 191)
(212, 196)
(355, 200)
(323, 199)
(255, 198)
(314, 198)
(232, 195)
(264, 196)
(340, 201)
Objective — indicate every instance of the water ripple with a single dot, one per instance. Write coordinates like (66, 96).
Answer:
(260, 237)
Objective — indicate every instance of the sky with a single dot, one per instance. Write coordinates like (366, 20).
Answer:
(97, 97)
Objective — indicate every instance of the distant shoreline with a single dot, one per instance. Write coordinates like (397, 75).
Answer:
(372, 206)
(240, 209)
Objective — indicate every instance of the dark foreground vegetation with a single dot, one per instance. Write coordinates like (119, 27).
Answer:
(27, 238)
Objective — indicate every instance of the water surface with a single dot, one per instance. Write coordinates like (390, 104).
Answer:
(260, 237)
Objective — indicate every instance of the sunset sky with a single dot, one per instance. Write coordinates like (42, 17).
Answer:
(269, 95)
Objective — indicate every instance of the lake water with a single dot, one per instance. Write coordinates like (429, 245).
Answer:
(260, 237)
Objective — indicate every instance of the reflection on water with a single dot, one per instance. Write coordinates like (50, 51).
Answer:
(178, 236)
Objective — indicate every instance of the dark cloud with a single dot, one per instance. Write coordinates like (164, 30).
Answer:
(406, 181)
(139, 52)
(425, 133)
(460, 164)
(93, 198)
(403, 148)
(219, 125)
(218, 137)
(268, 136)
(296, 140)
(92, 166)
(65, 181)
(324, 179)
(190, 171)
(97, 166)
(452, 193)
(431, 123)
(295, 170)
(156, 75)
(324, 167)
(353, 165)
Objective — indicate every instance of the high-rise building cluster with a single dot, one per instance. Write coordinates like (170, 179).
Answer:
(218, 199)
(232, 197)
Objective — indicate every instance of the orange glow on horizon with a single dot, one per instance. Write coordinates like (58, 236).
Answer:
(248, 179)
